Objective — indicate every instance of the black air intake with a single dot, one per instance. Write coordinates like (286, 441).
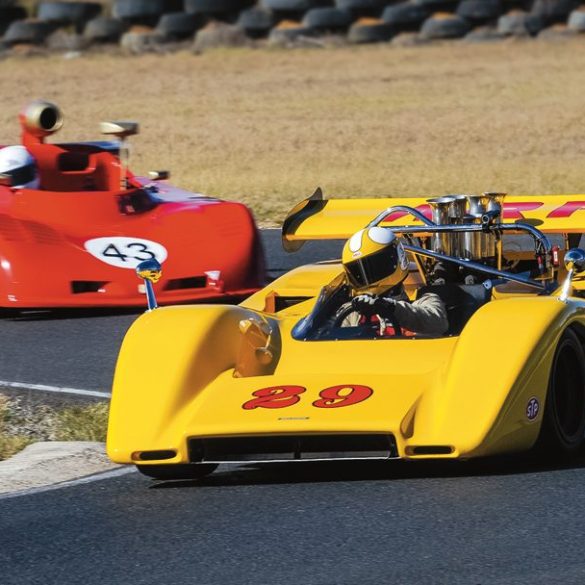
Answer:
(292, 448)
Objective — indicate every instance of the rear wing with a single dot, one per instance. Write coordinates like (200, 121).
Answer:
(317, 218)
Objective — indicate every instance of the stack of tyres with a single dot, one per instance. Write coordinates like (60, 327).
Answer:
(144, 12)
(68, 13)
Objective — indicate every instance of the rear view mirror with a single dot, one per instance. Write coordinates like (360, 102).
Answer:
(575, 261)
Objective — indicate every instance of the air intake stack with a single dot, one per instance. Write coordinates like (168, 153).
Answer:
(38, 120)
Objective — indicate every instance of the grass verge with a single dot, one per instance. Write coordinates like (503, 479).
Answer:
(268, 126)
(23, 422)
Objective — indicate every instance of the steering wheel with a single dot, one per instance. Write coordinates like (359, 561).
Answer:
(347, 309)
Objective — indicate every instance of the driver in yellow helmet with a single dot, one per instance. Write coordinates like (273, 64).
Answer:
(376, 265)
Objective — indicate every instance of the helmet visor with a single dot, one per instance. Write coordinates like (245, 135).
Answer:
(22, 175)
(371, 269)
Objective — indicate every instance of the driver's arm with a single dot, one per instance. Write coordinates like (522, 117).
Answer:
(427, 315)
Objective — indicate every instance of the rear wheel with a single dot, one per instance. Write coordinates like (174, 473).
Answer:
(563, 425)
(177, 471)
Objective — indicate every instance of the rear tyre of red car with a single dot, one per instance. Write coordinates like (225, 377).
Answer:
(563, 424)
(177, 470)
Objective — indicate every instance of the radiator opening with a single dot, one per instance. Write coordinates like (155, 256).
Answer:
(292, 448)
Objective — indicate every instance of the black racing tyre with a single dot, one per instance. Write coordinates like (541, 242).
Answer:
(144, 11)
(328, 20)
(176, 26)
(518, 23)
(576, 20)
(363, 7)
(68, 12)
(32, 32)
(370, 30)
(479, 11)
(256, 21)
(177, 470)
(9, 14)
(298, 6)
(105, 30)
(438, 5)
(553, 11)
(216, 7)
(563, 424)
(444, 26)
(405, 16)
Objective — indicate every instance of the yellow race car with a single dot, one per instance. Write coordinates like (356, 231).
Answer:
(281, 378)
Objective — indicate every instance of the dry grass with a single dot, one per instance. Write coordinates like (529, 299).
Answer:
(9, 443)
(267, 127)
(23, 422)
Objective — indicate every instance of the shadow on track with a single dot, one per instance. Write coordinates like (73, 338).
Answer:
(319, 472)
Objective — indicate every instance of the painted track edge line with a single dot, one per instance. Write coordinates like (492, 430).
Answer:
(56, 389)
(70, 483)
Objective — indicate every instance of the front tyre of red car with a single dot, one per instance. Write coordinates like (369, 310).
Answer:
(563, 425)
(177, 471)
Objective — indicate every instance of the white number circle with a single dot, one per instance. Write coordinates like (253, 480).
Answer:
(125, 252)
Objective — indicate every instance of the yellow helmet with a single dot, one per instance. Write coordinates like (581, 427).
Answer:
(374, 260)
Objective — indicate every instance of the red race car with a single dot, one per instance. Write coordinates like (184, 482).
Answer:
(75, 222)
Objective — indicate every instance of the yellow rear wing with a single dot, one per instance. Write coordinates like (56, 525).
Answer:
(317, 218)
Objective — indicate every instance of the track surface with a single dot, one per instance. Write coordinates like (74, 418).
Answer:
(327, 525)
(495, 522)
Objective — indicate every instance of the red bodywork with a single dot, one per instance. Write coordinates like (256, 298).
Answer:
(43, 234)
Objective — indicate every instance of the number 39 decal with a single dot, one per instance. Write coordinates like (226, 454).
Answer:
(125, 252)
(333, 397)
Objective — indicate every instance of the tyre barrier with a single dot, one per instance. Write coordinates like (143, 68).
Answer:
(219, 34)
(145, 12)
(177, 26)
(220, 9)
(9, 14)
(29, 32)
(370, 30)
(104, 30)
(287, 32)
(406, 16)
(328, 20)
(360, 8)
(139, 42)
(68, 12)
(438, 5)
(576, 20)
(442, 25)
(256, 22)
(556, 32)
(479, 11)
(518, 23)
(553, 11)
(483, 34)
(293, 10)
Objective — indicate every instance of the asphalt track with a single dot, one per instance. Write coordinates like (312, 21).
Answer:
(476, 523)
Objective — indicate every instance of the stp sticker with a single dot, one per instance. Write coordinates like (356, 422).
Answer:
(125, 252)
(532, 408)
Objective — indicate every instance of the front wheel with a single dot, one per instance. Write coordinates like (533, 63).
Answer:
(563, 425)
(177, 470)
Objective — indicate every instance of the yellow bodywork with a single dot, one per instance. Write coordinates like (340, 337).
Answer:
(188, 371)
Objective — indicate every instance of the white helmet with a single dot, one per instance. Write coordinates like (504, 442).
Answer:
(17, 162)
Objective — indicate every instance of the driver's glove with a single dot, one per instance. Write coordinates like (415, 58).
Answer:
(369, 305)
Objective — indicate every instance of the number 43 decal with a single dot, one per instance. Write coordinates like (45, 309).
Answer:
(284, 396)
(125, 252)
